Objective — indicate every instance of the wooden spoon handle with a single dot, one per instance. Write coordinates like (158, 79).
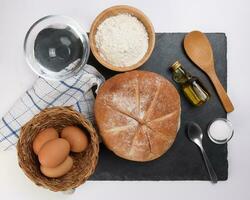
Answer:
(228, 106)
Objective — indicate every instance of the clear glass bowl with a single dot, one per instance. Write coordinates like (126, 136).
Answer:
(56, 49)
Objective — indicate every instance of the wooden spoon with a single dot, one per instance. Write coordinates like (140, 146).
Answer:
(199, 50)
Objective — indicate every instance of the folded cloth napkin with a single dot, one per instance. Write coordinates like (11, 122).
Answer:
(75, 91)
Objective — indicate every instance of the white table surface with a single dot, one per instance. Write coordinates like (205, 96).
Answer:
(231, 17)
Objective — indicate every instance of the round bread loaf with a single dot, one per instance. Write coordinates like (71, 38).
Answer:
(138, 115)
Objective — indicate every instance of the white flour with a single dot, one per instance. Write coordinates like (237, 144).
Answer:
(121, 40)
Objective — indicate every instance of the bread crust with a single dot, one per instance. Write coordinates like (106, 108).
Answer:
(137, 114)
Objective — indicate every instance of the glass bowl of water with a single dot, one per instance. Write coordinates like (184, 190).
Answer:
(56, 47)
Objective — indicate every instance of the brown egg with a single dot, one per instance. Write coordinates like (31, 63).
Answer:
(43, 137)
(76, 137)
(54, 152)
(58, 171)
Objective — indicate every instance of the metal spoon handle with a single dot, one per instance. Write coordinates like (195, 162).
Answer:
(209, 166)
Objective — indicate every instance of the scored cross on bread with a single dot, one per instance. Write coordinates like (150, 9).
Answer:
(138, 115)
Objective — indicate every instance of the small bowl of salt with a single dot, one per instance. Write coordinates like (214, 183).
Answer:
(220, 131)
(122, 38)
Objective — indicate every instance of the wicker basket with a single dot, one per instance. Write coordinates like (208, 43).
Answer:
(84, 163)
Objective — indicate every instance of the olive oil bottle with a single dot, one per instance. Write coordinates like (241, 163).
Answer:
(192, 87)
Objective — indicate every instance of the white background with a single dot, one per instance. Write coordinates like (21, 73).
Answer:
(231, 17)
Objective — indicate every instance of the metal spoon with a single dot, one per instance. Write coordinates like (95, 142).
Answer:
(195, 135)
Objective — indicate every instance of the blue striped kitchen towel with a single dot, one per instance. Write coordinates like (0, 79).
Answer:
(75, 91)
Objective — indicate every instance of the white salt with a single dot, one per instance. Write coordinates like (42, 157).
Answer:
(220, 130)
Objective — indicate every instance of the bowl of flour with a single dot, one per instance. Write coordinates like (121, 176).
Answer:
(122, 38)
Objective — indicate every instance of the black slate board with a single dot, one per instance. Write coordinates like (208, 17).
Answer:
(183, 161)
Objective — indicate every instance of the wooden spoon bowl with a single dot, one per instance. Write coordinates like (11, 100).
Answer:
(115, 10)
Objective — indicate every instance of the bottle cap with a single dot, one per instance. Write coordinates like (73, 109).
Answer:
(175, 66)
